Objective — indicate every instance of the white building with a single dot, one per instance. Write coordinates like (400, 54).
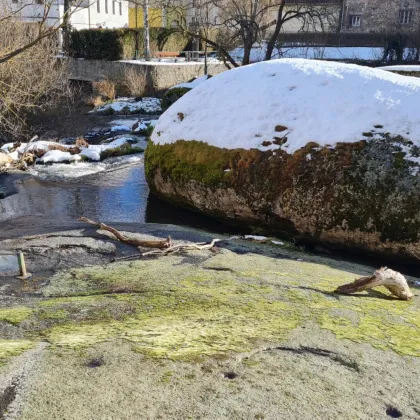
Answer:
(93, 14)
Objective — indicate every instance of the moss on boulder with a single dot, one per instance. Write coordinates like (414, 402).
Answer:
(172, 95)
(363, 195)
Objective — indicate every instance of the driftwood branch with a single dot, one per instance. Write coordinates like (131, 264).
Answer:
(181, 247)
(395, 282)
(172, 249)
(126, 240)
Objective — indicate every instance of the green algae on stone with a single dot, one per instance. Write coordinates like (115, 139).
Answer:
(15, 315)
(9, 348)
(189, 308)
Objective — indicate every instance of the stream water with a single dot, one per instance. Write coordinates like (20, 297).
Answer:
(111, 191)
(114, 190)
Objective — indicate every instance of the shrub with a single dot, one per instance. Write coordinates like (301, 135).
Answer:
(105, 88)
(95, 101)
(149, 131)
(120, 44)
(96, 44)
(30, 83)
(136, 83)
(172, 95)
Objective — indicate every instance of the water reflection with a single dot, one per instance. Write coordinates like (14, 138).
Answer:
(120, 195)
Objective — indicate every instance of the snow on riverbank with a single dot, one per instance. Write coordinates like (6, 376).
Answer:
(61, 171)
(127, 106)
(295, 101)
(71, 153)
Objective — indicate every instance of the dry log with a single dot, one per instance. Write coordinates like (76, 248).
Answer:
(130, 241)
(395, 282)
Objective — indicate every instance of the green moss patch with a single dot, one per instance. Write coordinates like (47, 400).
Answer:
(172, 95)
(194, 310)
(9, 348)
(362, 195)
(193, 160)
(15, 315)
(211, 305)
(124, 150)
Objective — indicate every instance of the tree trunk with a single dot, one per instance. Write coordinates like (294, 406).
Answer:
(273, 39)
(247, 54)
(146, 30)
(66, 27)
(205, 59)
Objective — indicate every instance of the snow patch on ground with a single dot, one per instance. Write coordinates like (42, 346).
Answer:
(143, 125)
(93, 152)
(408, 68)
(120, 128)
(316, 101)
(53, 156)
(318, 53)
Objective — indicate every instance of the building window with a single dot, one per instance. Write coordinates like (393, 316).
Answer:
(106, 6)
(120, 7)
(113, 7)
(98, 6)
(355, 20)
(406, 17)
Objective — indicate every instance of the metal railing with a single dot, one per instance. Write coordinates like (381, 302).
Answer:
(189, 55)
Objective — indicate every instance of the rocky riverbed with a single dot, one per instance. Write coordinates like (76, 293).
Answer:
(243, 331)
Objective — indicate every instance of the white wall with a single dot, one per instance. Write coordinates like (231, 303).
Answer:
(109, 14)
(82, 18)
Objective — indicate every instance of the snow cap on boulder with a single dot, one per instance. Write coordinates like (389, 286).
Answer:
(288, 103)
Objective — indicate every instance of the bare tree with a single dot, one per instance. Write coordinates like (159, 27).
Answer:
(31, 78)
(309, 16)
(245, 22)
(47, 24)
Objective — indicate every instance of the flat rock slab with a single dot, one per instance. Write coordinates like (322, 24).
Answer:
(246, 331)
(57, 242)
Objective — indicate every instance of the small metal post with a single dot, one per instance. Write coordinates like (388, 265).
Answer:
(22, 267)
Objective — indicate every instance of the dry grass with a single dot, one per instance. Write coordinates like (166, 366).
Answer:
(136, 83)
(105, 88)
(32, 82)
(95, 100)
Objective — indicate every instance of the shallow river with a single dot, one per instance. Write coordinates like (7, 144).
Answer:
(117, 192)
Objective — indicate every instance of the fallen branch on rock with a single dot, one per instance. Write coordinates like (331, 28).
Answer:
(172, 249)
(181, 247)
(126, 240)
(395, 282)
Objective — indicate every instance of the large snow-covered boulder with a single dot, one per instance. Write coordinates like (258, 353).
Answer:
(325, 151)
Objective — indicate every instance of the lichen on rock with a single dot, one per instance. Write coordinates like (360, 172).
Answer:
(214, 305)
